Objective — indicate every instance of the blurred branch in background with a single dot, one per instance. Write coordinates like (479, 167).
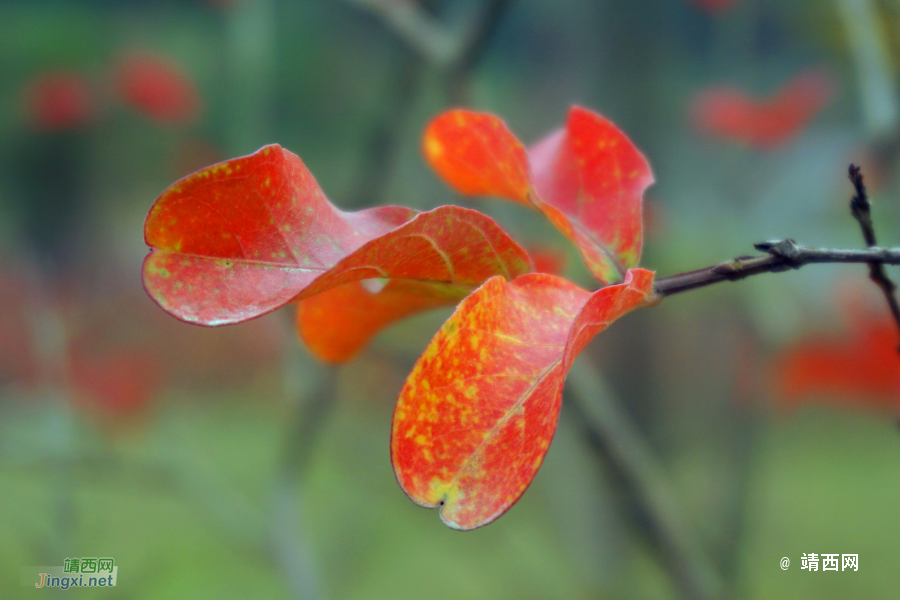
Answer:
(612, 433)
(382, 143)
(417, 27)
(440, 45)
(456, 55)
(876, 73)
(310, 413)
(250, 48)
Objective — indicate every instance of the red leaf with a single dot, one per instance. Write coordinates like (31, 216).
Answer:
(158, 88)
(479, 410)
(59, 101)
(594, 175)
(733, 115)
(862, 368)
(588, 179)
(247, 236)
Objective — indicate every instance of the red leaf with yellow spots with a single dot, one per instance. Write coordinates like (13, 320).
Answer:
(587, 178)
(479, 410)
(247, 236)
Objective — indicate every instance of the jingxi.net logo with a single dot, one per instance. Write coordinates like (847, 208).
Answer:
(76, 572)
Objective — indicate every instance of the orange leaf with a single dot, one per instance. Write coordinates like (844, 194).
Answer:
(588, 179)
(338, 323)
(479, 410)
(478, 156)
(247, 236)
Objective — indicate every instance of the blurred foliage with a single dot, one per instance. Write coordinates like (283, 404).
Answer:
(251, 466)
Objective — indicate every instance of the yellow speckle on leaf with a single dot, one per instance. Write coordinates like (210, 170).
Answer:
(433, 148)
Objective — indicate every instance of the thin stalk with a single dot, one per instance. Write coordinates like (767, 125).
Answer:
(612, 429)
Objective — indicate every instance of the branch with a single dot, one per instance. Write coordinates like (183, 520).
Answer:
(869, 46)
(430, 38)
(457, 54)
(473, 48)
(609, 428)
(416, 27)
(294, 551)
(861, 209)
(781, 255)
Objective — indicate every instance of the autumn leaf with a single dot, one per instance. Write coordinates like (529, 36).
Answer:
(247, 236)
(588, 179)
(733, 115)
(336, 324)
(479, 409)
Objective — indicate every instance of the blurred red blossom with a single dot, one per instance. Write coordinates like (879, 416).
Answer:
(715, 6)
(860, 368)
(59, 101)
(547, 259)
(118, 384)
(158, 88)
(18, 361)
(112, 353)
(733, 115)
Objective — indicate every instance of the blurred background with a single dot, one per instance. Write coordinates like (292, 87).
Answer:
(758, 419)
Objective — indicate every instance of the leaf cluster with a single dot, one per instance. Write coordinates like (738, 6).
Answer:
(477, 413)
